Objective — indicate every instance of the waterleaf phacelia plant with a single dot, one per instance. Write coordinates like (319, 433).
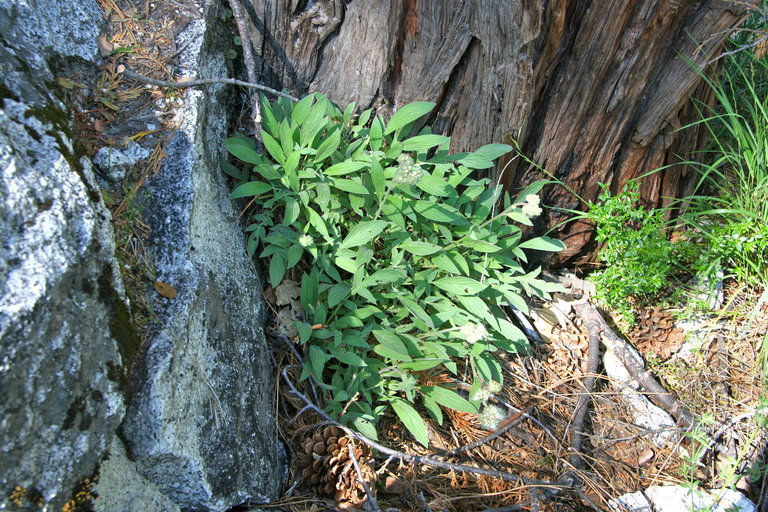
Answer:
(405, 260)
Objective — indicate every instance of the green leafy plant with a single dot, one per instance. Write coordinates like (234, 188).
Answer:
(729, 208)
(635, 251)
(405, 260)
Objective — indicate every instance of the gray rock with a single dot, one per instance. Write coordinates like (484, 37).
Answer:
(120, 488)
(112, 164)
(61, 310)
(46, 39)
(200, 426)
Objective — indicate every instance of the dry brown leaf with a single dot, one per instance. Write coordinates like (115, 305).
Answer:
(165, 289)
(286, 292)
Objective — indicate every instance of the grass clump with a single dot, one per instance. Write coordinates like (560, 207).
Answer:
(405, 260)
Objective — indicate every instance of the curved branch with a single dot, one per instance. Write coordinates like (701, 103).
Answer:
(197, 83)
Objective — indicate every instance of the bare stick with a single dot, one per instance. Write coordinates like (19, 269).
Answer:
(737, 50)
(505, 426)
(248, 60)
(418, 459)
(197, 83)
(655, 391)
(593, 327)
(371, 498)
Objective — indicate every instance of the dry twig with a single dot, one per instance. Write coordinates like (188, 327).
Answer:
(197, 83)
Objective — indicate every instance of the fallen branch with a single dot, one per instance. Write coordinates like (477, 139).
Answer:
(419, 459)
(593, 328)
(197, 83)
(655, 391)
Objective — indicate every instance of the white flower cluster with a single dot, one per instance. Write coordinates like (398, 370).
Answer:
(408, 173)
(485, 392)
(474, 332)
(306, 241)
(531, 207)
(491, 416)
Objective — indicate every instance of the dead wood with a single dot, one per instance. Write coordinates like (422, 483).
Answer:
(655, 391)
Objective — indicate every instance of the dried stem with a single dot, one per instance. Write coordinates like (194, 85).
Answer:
(196, 83)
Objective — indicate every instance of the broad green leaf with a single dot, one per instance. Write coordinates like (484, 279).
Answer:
(376, 133)
(416, 310)
(393, 342)
(292, 211)
(268, 171)
(475, 161)
(460, 285)
(317, 359)
(407, 114)
(294, 255)
(435, 186)
(509, 331)
(328, 146)
(377, 178)
(337, 293)
(302, 108)
(365, 427)
(423, 142)
(243, 150)
(309, 290)
(364, 117)
(347, 115)
(347, 357)
(433, 409)
(350, 186)
(273, 148)
(276, 269)
(387, 352)
(231, 170)
(449, 399)
(317, 222)
(475, 305)
(439, 213)
(363, 232)
(411, 419)
(480, 246)
(343, 168)
(252, 188)
(384, 276)
(444, 262)
(421, 364)
(346, 263)
(305, 331)
(420, 248)
(493, 151)
(543, 243)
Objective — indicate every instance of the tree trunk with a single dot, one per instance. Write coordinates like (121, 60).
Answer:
(593, 90)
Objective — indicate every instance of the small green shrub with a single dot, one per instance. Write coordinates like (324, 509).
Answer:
(405, 259)
(636, 252)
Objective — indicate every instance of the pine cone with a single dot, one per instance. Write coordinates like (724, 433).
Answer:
(326, 465)
(656, 332)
